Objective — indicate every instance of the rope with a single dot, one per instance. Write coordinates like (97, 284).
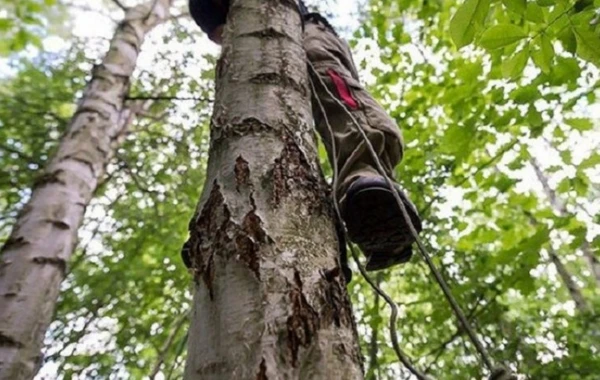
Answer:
(402, 356)
(485, 357)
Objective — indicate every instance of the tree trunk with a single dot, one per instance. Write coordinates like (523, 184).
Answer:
(592, 260)
(563, 272)
(270, 299)
(34, 259)
(571, 285)
(560, 207)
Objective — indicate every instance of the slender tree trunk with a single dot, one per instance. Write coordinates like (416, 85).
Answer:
(571, 285)
(34, 259)
(270, 299)
(560, 207)
(592, 260)
(562, 270)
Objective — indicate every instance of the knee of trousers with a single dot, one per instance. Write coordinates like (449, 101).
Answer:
(322, 45)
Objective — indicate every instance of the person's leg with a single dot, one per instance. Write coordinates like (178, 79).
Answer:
(332, 60)
(368, 206)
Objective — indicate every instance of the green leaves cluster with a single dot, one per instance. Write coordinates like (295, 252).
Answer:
(24, 23)
(476, 121)
(523, 29)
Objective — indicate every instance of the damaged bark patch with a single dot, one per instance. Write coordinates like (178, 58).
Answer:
(268, 33)
(242, 173)
(61, 264)
(303, 323)
(282, 80)
(215, 233)
(336, 305)
(293, 175)
(211, 223)
(238, 128)
(49, 178)
(249, 240)
(262, 371)
(59, 224)
(7, 341)
(14, 243)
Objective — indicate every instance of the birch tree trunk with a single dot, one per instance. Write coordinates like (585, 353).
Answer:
(270, 299)
(34, 259)
(562, 270)
(559, 206)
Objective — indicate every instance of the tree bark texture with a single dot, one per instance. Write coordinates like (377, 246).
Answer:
(270, 299)
(34, 259)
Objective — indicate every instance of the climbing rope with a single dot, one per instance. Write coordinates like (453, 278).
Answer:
(403, 357)
(485, 357)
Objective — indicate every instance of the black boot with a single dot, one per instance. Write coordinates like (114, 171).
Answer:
(376, 223)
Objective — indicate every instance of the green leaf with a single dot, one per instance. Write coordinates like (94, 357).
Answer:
(501, 35)
(535, 13)
(568, 40)
(513, 67)
(591, 161)
(580, 124)
(545, 55)
(564, 186)
(588, 44)
(566, 70)
(525, 95)
(581, 186)
(469, 18)
(456, 140)
(517, 6)
(534, 117)
(545, 3)
(6, 24)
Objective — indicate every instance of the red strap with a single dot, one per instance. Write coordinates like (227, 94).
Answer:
(343, 89)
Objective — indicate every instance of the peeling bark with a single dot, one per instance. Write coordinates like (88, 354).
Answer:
(33, 261)
(270, 299)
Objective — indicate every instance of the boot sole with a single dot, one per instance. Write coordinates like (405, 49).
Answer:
(376, 224)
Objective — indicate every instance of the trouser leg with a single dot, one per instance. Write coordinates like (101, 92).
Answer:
(336, 75)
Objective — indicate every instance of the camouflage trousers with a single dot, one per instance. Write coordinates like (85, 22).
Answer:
(332, 60)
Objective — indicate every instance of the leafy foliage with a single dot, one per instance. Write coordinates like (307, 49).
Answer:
(24, 23)
(537, 24)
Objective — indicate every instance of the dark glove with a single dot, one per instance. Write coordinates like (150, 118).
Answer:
(209, 14)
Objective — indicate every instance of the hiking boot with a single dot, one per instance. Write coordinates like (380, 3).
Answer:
(376, 223)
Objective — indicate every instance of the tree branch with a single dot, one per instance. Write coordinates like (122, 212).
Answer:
(165, 348)
(119, 4)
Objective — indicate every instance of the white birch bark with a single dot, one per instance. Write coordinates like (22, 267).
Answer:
(34, 259)
(270, 299)
(563, 272)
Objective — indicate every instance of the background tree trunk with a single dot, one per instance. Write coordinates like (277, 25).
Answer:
(34, 259)
(562, 270)
(270, 300)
